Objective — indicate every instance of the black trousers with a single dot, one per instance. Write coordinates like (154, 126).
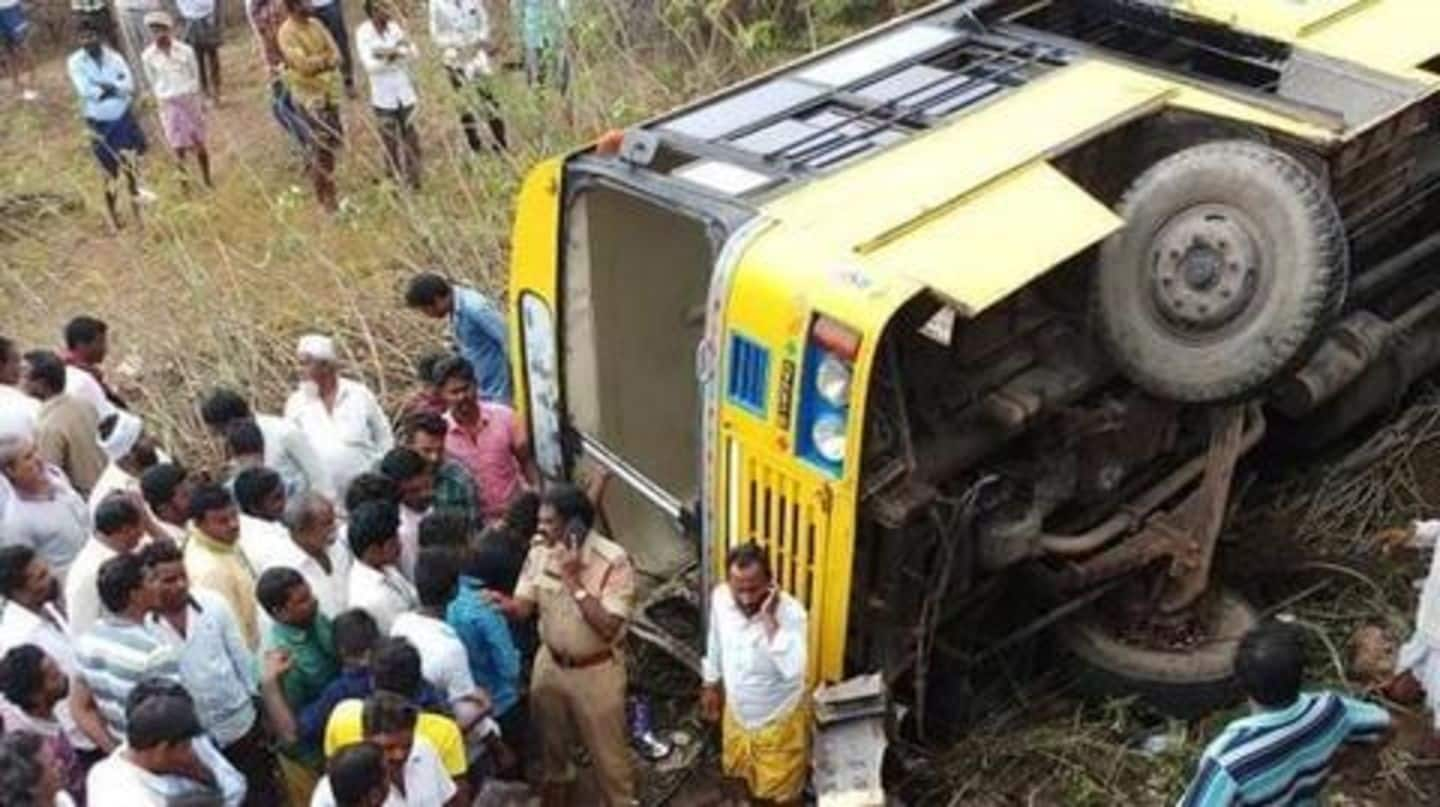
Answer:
(487, 106)
(251, 755)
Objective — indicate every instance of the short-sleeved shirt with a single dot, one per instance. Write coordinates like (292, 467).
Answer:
(313, 663)
(605, 572)
(1282, 756)
(124, 782)
(346, 727)
(382, 593)
(443, 662)
(489, 645)
(331, 587)
(426, 783)
(488, 453)
(48, 630)
(82, 593)
(55, 525)
(115, 656)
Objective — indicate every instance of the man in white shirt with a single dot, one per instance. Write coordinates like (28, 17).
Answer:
(130, 16)
(754, 672)
(416, 776)
(166, 758)
(356, 775)
(386, 53)
(174, 74)
(1418, 664)
(166, 488)
(215, 666)
(342, 418)
(286, 449)
(416, 483)
(131, 452)
(314, 551)
(87, 344)
(260, 494)
(42, 511)
(443, 661)
(30, 614)
(461, 29)
(17, 407)
(376, 586)
(119, 529)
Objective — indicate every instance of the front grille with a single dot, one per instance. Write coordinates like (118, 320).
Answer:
(783, 514)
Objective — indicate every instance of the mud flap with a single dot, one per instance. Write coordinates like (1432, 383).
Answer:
(850, 742)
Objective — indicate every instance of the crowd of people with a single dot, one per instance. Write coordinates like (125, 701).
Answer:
(356, 609)
(134, 48)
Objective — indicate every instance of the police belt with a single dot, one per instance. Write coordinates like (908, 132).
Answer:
(569, 662)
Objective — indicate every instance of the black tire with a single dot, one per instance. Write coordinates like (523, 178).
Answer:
(1232, 261)
(1185, 685)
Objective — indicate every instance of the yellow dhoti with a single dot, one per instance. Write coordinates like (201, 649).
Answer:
(772, 760)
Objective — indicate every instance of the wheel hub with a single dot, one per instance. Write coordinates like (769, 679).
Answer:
(1205, 268)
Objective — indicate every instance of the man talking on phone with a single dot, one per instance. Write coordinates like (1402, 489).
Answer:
(582, 587)
(754, 679)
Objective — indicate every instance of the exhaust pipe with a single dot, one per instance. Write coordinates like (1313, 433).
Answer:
(1360, 342)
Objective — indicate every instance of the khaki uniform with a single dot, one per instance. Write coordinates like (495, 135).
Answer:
(578, 686)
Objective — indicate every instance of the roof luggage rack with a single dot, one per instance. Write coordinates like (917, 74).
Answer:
(859, 99)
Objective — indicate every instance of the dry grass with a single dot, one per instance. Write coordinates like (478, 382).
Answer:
(218, 285)
(1302, 548)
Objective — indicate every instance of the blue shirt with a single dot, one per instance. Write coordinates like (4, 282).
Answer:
(1282, 756)
(215, 665)
(480, 335)
(86, 75)
(354, 682)
(494, 661)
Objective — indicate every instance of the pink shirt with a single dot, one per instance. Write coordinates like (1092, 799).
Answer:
(489, 455)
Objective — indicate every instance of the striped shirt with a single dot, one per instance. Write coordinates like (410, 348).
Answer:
(1282, 757)
(115, 656)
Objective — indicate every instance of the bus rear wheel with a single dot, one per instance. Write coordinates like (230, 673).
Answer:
(1184, 682)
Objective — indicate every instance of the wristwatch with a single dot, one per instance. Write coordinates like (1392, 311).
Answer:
(581, 595)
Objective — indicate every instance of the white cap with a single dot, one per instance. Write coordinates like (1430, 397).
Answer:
(315, 347)
(123, 437)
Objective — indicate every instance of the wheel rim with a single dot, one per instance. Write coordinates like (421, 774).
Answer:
(1205, 272)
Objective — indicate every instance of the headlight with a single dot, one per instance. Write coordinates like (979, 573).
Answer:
(832, 381)
(828, 437)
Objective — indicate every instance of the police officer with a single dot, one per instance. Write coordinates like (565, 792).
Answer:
(582, 587)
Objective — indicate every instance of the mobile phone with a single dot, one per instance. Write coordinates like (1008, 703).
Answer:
(575, 532)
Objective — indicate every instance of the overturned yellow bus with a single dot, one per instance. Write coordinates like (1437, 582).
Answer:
(985, 306)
